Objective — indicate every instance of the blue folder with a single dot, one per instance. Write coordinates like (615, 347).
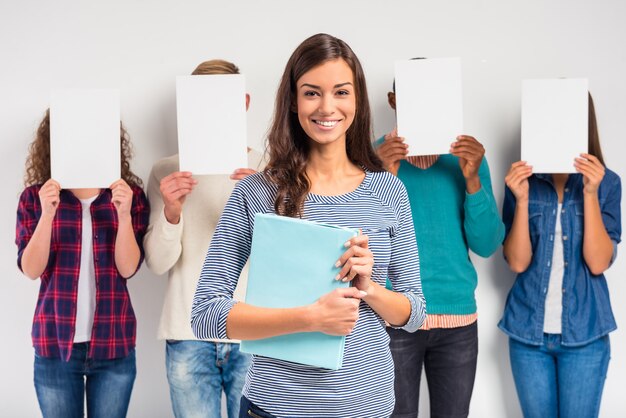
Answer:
(292, 263)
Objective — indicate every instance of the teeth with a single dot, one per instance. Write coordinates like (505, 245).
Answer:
(326, 123)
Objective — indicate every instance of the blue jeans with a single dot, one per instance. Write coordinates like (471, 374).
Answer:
(198, 371)
(448, 356)
(61, 385)
(250, 410)
(557, 381)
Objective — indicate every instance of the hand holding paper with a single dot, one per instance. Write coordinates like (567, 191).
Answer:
(49, 198)
(392, 151)
(592, 170)
(174, 189)
(470, 153)
(242, 173)
(122, 198)
(517, 180)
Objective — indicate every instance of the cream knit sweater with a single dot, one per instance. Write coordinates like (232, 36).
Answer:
(180, 249)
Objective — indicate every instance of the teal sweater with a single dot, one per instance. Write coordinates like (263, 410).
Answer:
(448, 222)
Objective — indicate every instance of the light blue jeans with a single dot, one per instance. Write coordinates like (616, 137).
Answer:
(556, 381)
(61, 386)
(198, 371)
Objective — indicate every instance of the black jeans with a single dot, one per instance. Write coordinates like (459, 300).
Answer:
(449, 358)
(249, 410)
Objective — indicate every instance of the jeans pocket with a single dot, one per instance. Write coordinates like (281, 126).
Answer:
(254, 411)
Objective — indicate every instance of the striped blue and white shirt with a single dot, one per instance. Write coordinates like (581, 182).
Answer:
(363, 387)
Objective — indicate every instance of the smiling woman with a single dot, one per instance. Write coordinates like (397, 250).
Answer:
(326, 102)
(322, 168)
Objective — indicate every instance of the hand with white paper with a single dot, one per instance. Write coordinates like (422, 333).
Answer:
(470, 153)
(242, 173)
(49, 198)
(122, 198)
(336, 312)
(517, 180)
(592, 170)
(392, 151)
(357, 262)
(174, 189)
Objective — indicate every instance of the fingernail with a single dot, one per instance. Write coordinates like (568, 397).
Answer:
(345, 279)
(337, 277)
(346, 244)
(338, 263)
(363, 293)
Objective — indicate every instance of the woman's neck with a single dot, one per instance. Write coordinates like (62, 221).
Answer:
(331, 172)
(559, 180)
(85, 193)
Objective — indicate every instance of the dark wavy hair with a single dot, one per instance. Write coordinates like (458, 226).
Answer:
(594, 137)
(288, 144)
(38, 161)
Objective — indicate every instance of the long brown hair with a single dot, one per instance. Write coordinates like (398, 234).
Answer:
(594, 138)
(288, 144)
(38, 161)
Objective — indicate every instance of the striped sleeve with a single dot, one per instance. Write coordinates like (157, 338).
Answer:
(404, 270)
(227, 254)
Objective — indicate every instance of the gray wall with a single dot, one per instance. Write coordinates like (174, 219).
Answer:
(140, 46)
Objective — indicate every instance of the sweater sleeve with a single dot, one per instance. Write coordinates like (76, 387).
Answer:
(404, 270)
(227, 254)
(162, 242)
(482, 224)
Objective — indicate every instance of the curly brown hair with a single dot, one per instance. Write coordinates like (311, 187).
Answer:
(288, 144)
(38, 161)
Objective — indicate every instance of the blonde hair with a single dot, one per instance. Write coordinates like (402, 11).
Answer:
(215, 67)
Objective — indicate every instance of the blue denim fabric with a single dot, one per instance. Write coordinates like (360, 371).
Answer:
(587, 313)
(449, 357)
(198, 371)
(250, 410)
(61, 385)
(557, 381)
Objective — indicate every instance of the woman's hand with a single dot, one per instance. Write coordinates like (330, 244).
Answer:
(392, 151)
(517, 180)
(49, 198)
(357, 262)
(592, 170)
(336, 312)
(122, 198)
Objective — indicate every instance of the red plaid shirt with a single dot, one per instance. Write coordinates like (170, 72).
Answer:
(114, 325)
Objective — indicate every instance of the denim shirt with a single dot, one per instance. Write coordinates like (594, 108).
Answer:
(587, 313)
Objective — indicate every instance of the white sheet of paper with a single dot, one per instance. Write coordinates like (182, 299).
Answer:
(554, 123)
(429, 104)
(85, 137)
(211, 123)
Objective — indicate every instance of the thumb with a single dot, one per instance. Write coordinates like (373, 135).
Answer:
(352, 292)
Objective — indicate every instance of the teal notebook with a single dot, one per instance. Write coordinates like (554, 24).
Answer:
(292, 263)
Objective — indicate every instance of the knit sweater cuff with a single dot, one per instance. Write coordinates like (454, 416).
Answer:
(476, 199)
(170, 232)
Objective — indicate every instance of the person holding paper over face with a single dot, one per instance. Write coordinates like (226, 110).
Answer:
(562, 232)
(322, 168)
(84, 244)
(454, 211)
(184, 214)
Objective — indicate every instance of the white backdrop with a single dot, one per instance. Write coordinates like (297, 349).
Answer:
(140, 46)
